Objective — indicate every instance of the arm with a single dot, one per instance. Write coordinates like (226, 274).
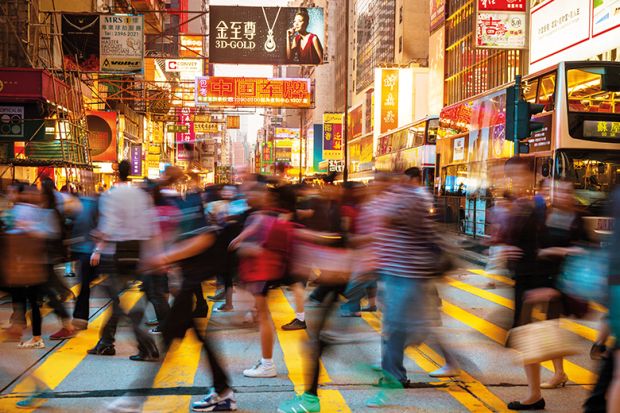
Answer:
(290, 44)
(318, 48)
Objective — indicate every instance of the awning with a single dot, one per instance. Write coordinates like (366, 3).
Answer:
(26, 85)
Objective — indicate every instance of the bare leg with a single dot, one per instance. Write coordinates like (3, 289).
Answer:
(299, 294)
(265, 326)
(532, 372)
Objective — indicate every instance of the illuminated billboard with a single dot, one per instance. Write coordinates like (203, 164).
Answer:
(332, 136)
(266, 35)
(253, 92)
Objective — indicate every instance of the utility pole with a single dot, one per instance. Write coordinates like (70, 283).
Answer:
(345, 120)
(517, 97)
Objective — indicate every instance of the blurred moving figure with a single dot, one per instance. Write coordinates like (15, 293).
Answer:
(613, 398)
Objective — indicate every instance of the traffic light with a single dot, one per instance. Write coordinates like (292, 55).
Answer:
(519, 124)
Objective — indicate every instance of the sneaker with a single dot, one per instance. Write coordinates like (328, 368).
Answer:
(32, 343)
(381, 399)
(445, 371)
(223, 309)
(63, 334)
(261, 371)
(296, 324)
(124, 405)
(34, 400)
(219, 295)
(152, 323)
(307, 403)
(102, 350)
(155, 330)
(213, 402)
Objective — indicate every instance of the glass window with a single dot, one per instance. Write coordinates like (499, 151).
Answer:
(546, 91)
(588, 91)
(530, 87)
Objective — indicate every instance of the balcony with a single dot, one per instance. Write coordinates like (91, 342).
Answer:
(153, 11)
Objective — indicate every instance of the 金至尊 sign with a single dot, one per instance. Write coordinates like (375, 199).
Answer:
(266, 35)
(253, 92)
(332, 136)
(121, 44)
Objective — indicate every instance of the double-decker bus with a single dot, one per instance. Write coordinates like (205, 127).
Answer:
(408, 146)
(579, 142)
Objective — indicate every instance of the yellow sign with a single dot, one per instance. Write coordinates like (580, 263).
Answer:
(206, 127)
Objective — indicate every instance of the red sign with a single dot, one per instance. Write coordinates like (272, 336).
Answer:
(253, 92)
(355, 123)
(501, 5)
(102, 136)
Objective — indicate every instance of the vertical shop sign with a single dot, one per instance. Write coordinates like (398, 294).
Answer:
(135, 155)
(389, 99)
(332, 136)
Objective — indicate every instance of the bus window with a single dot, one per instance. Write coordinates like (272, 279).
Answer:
(586, 91)
(546, 92)
(529, 90)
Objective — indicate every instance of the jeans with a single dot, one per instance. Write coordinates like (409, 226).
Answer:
(155, 288)
(410, 312)
(87, 274)
(597, 402)
(355, 291)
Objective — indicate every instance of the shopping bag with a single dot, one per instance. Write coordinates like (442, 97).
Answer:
(24, 260)
(322, 264)
(541, 341)
(585, 276)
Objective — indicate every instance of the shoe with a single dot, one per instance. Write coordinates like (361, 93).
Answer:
(152, 323)
(445, 371)
(34, 400)
(380, 399)
(261, 371)
(307, 403)
(296, 324)
(79, 324)
(223, 309)
(213, 402)
(369, 309)
(70, 274)
(143, 356)
(539, 405)
(124, 405)
(38, 344)
(201, 311)
(155, 330)
(102, 350)
(385, 383)
(62, 334)
(219, 295)
(554, 384)
(598, 351)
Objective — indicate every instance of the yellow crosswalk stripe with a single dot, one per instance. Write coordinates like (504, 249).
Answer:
(477, 398)
(293, 344)
(64, 360)
(576, 328)
(576, 374)
(178, 369)
(594, 306)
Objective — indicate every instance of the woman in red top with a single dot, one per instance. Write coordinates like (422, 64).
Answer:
(303, 47)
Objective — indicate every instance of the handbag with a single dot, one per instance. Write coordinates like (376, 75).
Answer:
(541, 340)
(322, 264)
(585, 276)
(25, 260)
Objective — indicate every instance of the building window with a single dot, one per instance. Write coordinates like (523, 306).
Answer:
(400, 14)
(400, 44)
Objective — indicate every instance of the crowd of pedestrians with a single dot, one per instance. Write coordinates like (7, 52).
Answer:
(349, 248)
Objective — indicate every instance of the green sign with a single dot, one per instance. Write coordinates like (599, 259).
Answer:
(177, 128)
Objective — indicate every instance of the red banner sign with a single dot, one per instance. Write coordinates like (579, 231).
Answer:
(253, 92)
(501, 5)
(355, 123)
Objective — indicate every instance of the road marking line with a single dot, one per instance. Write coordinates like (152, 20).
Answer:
(576, 374)
(584, 331)
(506, 280)
(295, 352)
(178, 369)
(59, 364)
(429, 361)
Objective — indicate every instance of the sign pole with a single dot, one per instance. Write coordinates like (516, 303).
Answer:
(517, 96)
(301, 139)
(345, 121)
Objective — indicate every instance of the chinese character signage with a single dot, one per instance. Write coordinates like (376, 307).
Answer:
(102, 136)
(206, 127)
(501, 30)
(332, 136)
(135, 155)
(438, 13)
(121, 42)
(190, 45)
(233, 122)
(253, 92)
(80, 41)
(266, 35)
(601, 129)
(502, 5)
(355, 123)
(176, 128)
(286, 133)
(389, 100)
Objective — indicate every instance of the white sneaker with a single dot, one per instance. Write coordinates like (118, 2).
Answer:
(261, 371)
(124, 404)
(445, 371)
(32, 344)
